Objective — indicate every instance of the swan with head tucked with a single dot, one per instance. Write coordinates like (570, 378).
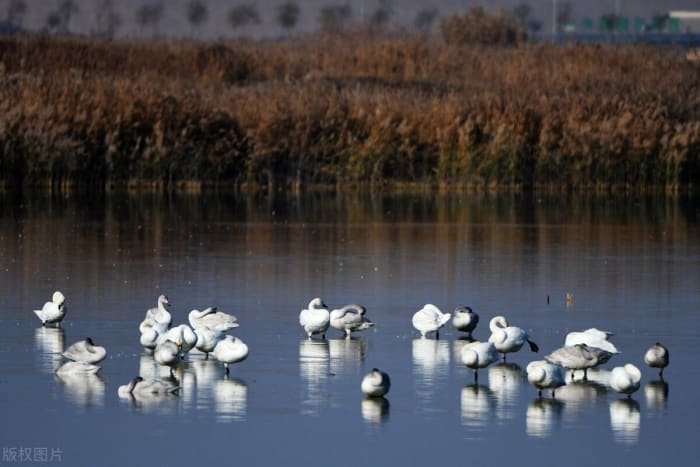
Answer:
(139, 386)
(230, 350)
(207, 339)
(182, 335)
(578, 357)
(315, 319)
(77, 368)
(465, 319)
(478, 354)
(350, 318)
(430, 319)
(657, 357)
(53, 312)
(376, 383)
(168, 354)
(625, 379)
(158, 317)
(212, 318)
(592, 337)
(508, 339)
(545, 375)
(85, 351)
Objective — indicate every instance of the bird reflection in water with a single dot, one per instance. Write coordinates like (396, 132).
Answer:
(506, 380)
(477, 403)
(314, 367)
(580, 394)
(347, 355)
(49, 343)
(624, 420)
(375, 410)
(543, 416)
(431, 360)
(231, 399)
(656, 394)
(84, 390)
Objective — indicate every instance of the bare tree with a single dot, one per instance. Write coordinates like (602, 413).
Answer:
(288, 14)
(108, 20)
(197, 13)
(243, 15)
(334, 17)
(16, 11)
(149, 15)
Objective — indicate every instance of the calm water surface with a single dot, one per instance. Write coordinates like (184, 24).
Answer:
(632, 265)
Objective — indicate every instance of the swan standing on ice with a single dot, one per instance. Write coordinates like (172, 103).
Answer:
(508, 339)
(477, 355)
(182, 335)
(625, 379)
(315, 319)
(545, 375)
(167, 353)
(159, 317)
(350, 318)
(430, 319)
(212, 318)
(465, 320)
(85, 351)
(230, 350)
(592, 337)
(52, 312)
(579, 357)
(657, 357)
(375, 383)
(207, 339)
(139, 386)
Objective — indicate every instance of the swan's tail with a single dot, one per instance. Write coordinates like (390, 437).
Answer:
(533, 346)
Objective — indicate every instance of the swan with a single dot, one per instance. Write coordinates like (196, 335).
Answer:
(167, 353)
(657, 357)
(429, 319)
(465, 320)
(159, 317)
(212, 318)
(77, 368)
(54, 311)
(85, 351)
(149, 338)
(207, 339)
(508, 339)
(545, 375)
(230, 350)
(147, 387)
(375, 383)
(182, 335)
(592, 337)
(478, 354)
(350, 318)
(578, 357)
(316, 318)
(625, 379)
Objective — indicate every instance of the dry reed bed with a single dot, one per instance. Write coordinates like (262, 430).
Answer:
(346, 109)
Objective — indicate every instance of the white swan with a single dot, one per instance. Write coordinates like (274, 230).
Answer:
(182, 335)
(53, 312)
(508, 339)
(139, 386)
(77, 368)
(375, 383)
(545, 375)
(316, 318)
(149, 338)
(212, 318)
(465, 319)
(579, 357)
(167, 353)
(477, 355)
(230, 350)
(592, 337)
(159, 317)
(350, 318)
(430, 319)
(85, 351)
(625, 379)
(207, 339)
(657, 357)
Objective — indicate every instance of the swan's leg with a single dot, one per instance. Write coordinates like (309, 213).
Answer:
(226, 367)
(437, 334)
(585, 374)
(539, 393)
(573, 372)
(476, 376)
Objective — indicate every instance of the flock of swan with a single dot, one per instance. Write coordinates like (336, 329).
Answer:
(207, 332)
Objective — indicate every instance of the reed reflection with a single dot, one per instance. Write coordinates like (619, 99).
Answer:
(314, 368)
(375, 410)
(477, 403)
(231, 399)
(49, 344)
(505, 381)
(543, 416)
(431, 360)
(656, 395)
(624, 420)
(84, 390)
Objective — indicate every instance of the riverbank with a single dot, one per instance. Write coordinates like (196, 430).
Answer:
(346, 110)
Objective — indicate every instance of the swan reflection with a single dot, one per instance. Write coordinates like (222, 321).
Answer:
(49, 343)
(231, 398)
(624, 420)
(431, 359)
(656, 394)
(505, 380)
(375, 410)
(156, 403)
(347, 355)
(86, 390)
(542, 416)
(477, 402)
(600, 376)
(579, 394)
(314, 367)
